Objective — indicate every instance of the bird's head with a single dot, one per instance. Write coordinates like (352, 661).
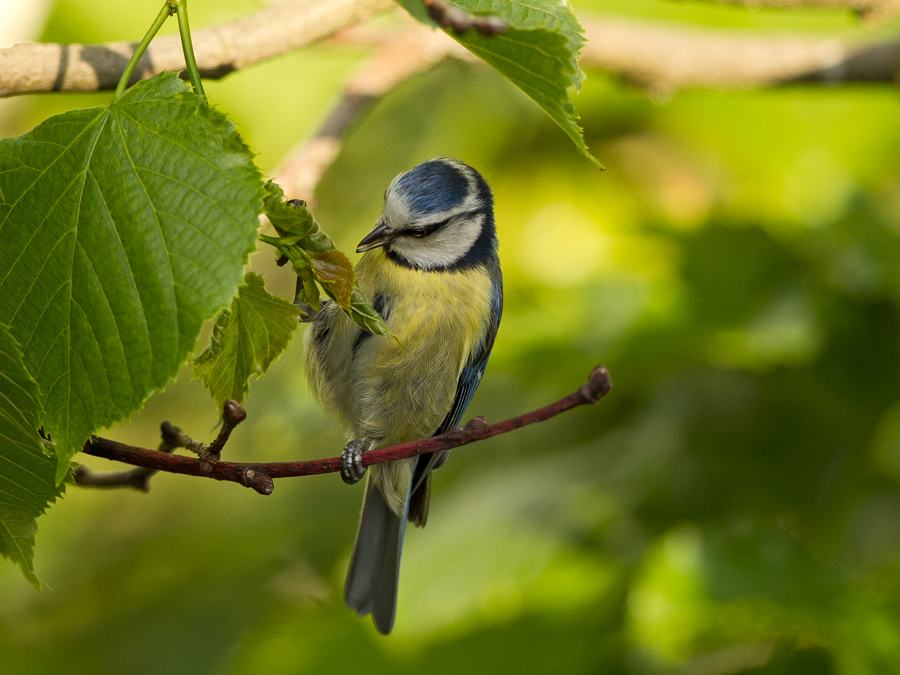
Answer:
(438, 215)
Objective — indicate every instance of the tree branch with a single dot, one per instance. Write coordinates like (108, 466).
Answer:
(30, 68)
(869, 10)
(659, 58)
(399, 58)
(653, 55)
(259, 476)
(461, 21)
(669, 59)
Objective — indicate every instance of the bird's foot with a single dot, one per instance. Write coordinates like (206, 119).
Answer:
(352, 469)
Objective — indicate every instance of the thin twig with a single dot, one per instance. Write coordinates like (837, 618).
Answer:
(233, 414)
(259, 476)
(172, 438)
(138, 478)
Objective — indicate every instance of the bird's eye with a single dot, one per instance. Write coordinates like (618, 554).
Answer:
(418, 232)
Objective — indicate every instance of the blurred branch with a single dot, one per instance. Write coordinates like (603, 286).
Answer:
(259, 475)
(30, 68)
(869, 10)
(663, 57)
(671, 56)
(399, 57)
(657, 57)
(669, 59)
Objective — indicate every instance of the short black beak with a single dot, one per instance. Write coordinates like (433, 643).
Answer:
(377, 237)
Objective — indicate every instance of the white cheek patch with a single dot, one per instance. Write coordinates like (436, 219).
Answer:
(451, 242)
(442, 248)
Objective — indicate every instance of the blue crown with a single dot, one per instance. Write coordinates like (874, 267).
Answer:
(433, 186)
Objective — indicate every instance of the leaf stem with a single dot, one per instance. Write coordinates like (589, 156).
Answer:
(188, 48)
(164, 14)
(279, 246)
(271, 241)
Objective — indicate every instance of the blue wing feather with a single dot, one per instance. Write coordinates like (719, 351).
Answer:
(473, 371)
(468, 382)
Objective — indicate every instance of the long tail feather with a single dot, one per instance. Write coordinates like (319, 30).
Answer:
(371, 586)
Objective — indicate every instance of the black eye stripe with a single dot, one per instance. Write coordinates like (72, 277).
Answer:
(431, 228)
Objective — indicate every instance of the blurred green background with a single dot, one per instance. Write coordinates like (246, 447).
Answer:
(732, 507)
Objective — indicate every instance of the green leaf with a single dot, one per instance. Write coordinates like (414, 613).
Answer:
(538, 53)
(365, 315)
(122, 229)
(27, 473)
(246, 340)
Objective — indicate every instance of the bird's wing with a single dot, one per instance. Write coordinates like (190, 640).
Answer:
(473, 371)
(468, 382)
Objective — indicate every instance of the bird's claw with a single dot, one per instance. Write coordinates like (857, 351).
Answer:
(352, 469)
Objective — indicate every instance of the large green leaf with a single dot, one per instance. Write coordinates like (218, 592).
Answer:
(246, 339)
(122, 229)
(27, 474)
(538, 53)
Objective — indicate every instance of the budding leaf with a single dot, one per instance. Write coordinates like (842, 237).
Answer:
(335, 273)
(294, 222)
(365, 315)
(317, 262)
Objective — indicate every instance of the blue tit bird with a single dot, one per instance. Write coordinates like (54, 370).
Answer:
(430, 269)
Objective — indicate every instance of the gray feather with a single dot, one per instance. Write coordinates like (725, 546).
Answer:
(371, 586)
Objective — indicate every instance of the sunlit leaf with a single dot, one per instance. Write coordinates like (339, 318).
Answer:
(538, 53)
(122, 229)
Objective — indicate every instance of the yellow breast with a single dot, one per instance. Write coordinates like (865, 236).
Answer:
(395, 391)
(438, 318)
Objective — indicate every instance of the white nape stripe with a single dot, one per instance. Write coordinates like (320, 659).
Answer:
(444, 247)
